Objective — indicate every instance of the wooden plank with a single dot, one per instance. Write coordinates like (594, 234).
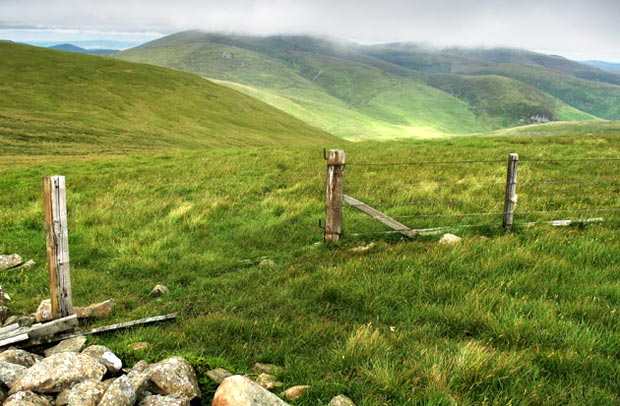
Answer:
(9, 328)
(53, 327)
(96, 330)
(377, 215)
(14, 339)
(510, 199)
(57, 242)
(333, 196)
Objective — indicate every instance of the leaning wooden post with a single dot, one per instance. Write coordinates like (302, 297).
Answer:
(57, 242)
(510, 201)
(333, 196)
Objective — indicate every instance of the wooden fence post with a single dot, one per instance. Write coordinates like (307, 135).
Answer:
(510, 201)
(333, 196)
(57, 242)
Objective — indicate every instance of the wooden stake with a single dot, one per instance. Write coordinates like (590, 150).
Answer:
(377, 215)
(510, 201)
(57, 242)
(333, 196)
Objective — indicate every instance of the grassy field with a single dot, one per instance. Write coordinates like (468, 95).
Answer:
(528, 317)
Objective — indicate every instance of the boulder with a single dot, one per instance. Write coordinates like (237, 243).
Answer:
(58, 372)
(44, 311)
(241, 391)
(120, 393)
(218, 374)
(11, 373)
(20, 357)
(26, 398)
(341, 400)
(104, 356)
(174, 376)
(9, 261)
(97, 310)
(75, 344)
(295, 392)
(449, 239)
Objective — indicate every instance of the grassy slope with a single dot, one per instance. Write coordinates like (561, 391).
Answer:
(56, 102)
(498, 319)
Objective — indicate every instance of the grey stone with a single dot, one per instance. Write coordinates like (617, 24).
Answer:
(268, 381)
(75, 344)
(87, 393)
(20, 357)
(341, 400)
(58, 372)
(218, 374)
(241, 391)
(295, 392)
(23, 320)
(158, 400)
(11, 373)
(174, 376)
(44, 311)
(104, 356)
(139, 346)
(267, 368)
(449, 239)
(5, 313)
(159, 290)
(26, 398)
(120, 393)
(9, 261)
(63, 398)
(96, 310)
(267, 263)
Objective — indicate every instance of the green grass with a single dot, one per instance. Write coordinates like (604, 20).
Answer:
(60, 103)
(529, 317)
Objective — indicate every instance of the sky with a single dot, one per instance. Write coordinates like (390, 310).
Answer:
(579, 30)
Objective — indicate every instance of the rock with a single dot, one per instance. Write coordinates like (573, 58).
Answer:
(267, 263)
(63, 398)
(58, 372)
(174, 376)
(20, 357)
(449, 239)
(75, 344)
(23, 321)
(29, 265)
(139, 346)
(159, 290)
(295, 392)
(140, 366)
(120, 393)
(241, 391)
(9, 261)
(138, 377)
(26, 398)
(218, 374)
(268, 381)
(3, 395)
(363, 248)
(97, 310)
(104, 356)
(267, 368)
(4, 297)
(341, 400)
(11, 373)
(44, 311)
(5, 313)
(158, 400)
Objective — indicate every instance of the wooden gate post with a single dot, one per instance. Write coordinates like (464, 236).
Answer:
(57, 242)
(333, 196)
(510, 200)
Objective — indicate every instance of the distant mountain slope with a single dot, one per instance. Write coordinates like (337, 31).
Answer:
(608, 66)
(78, 50)
(367, 92)
(66, 103)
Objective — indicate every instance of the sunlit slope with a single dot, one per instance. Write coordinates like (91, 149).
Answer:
(56, 102)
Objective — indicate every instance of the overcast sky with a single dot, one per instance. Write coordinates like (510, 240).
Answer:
(584, 29)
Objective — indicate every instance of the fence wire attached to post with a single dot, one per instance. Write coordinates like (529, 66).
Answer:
(333, 196)
(510, 202)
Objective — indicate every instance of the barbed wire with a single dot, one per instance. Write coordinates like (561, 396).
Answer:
(476, 161)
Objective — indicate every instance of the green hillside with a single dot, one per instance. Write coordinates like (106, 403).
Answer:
(377, 92)
(59, 103)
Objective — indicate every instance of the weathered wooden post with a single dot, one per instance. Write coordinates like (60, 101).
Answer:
(57, 242)
(510, 201)
(333, 196)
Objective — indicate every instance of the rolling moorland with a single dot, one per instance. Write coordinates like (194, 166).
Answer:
(528, 317)
(394, 90)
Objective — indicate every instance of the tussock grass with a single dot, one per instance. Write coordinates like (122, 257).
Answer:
(529, 317)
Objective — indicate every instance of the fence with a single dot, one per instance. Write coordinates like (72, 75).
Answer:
(449, 194)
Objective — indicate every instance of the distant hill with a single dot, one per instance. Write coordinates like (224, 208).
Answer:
(66, 103)
(608, 66)
(393, 90)
(78, 50)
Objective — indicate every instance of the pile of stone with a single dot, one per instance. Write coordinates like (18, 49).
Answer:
(74, 375)
(255, 389)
